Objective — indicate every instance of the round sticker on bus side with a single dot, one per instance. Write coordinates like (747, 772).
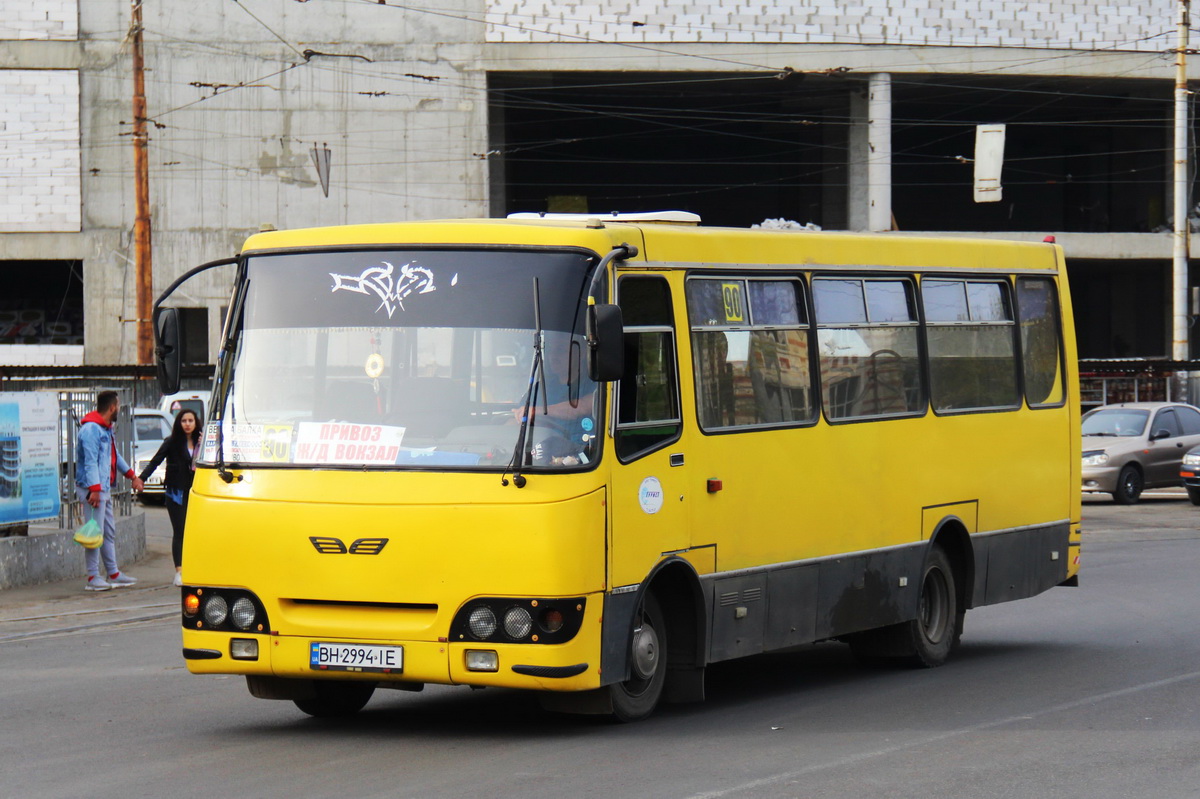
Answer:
(650, 495)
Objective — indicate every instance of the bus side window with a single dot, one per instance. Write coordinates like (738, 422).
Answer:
(972, 352)
(1041, 344)
(648, 393)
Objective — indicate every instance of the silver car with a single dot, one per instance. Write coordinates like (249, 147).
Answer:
(1136, 445)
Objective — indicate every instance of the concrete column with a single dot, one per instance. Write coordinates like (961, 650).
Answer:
(870, 156)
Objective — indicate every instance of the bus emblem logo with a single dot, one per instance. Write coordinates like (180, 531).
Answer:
(327, 545)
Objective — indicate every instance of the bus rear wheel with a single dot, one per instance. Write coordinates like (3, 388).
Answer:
(935, 630)
(334, 699)
(926, 641)
(635, 698)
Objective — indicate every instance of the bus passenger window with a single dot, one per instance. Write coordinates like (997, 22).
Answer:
(648, 393)
(972, 356)
(750, 348)
(867, 346)
(1041, 346)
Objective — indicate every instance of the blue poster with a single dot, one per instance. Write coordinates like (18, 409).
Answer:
(28, 457)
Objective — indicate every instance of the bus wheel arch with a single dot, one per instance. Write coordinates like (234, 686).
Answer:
(952, 537)
(677, 588)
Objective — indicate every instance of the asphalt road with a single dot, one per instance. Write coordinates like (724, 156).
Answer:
(1081, 692)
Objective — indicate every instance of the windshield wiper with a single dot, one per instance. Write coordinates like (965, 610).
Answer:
(537, 379)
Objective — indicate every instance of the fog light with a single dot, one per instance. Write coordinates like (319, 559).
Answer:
(517, 622)
(482, 660)
(242, 613)
(243, 649)
(482, 622)
(216, 610)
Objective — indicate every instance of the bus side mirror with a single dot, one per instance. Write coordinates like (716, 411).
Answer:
(606, 343)
(167, 349)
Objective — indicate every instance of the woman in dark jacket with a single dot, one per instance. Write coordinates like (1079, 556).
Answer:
(179, 449)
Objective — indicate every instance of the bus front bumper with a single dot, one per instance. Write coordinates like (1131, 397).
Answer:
(573, 666)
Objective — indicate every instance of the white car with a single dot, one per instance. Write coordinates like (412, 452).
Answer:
(191, 400)
(150, 427)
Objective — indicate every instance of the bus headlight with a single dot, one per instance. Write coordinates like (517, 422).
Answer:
(1098, 457)
(242, 613)
(230, 609)
(517, 622)
(216, 610)
(482, 622)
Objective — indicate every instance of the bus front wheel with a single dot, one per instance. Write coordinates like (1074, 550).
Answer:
(635, 698)
(333, 699)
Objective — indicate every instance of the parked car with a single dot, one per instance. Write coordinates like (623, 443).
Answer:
(1137, 445)
(190, 400)
(150, 427)
(1189, 472)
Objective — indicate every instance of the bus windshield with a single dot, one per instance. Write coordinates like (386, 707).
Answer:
(410, 359)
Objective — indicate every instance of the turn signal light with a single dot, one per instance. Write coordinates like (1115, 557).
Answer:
(191, 605)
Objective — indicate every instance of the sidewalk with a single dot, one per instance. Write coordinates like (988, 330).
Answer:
(33, 606)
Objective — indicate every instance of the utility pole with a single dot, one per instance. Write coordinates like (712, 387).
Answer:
(1179, 281)
(141, 176)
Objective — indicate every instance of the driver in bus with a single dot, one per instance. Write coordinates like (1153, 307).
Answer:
(566, 405)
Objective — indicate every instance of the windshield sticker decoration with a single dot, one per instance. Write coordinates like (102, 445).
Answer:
(343, 443)
(243, 443)
(391, 289)
(276, 443)
(208, 450)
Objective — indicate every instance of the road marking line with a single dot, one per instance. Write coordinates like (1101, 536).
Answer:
(890, 750)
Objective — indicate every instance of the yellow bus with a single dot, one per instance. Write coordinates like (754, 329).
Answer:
(589, 456)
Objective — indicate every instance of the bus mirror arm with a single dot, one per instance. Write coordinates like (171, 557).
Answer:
(168, 338)
(605, 325)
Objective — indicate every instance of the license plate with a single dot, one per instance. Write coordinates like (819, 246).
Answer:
(355, 657)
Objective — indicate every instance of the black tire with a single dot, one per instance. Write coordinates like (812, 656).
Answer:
(1193, 495)
(935, 630)
(336, 699)
(635, 698)
(926, 641)
(1129, 486)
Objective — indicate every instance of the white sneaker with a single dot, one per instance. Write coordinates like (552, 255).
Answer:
(97, 583)
(178, 579)
(121, 579)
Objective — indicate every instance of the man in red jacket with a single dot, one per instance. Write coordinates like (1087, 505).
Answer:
(97, 465)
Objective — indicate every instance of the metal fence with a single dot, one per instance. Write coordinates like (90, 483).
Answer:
(72, 407)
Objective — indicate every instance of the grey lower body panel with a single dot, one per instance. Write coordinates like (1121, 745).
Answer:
(761, 610)
(1016, 564)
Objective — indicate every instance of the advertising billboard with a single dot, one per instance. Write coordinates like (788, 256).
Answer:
(28, 457)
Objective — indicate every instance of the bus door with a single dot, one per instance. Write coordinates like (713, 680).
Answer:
(649, 516)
